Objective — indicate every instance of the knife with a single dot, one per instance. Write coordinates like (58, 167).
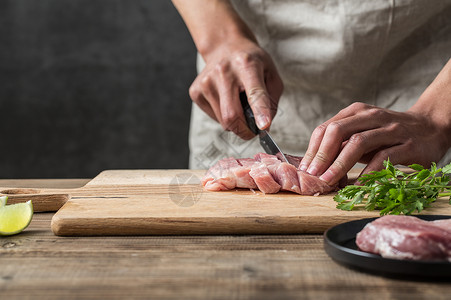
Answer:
(266, 140)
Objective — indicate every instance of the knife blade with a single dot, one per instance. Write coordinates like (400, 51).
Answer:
(266, 140)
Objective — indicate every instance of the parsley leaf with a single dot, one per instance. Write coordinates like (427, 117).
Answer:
(393, 191)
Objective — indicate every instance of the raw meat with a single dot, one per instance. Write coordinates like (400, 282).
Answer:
(294, 160)
(228, 174)
(220, 177)
(267, 173)
(312, 185)
(243, 171)
(263, 179)
(287, 176)
(407, 237)
(283, 173)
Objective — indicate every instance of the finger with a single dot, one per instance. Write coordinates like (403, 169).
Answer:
(231, 109)
(196, 95)
(357, 146)
(398, 154)
(207, 96)
(205, 106)
(367, 157)
(341, 130)
(318, 133)
(313, 146)
(343, 181)
(274, 86)
(251, 74)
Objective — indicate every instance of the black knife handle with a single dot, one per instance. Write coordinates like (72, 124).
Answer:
(248, 113)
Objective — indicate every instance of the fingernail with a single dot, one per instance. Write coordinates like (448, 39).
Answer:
(327, 176)
(303, 167)
(262, 121)
(312, 170)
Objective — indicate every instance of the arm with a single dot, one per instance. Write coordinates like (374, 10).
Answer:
(368, 134)
(234, 63)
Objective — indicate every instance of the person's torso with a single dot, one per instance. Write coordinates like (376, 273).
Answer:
(332, 53)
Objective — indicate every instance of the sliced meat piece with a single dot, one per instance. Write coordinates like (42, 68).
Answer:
(263, 178)
(294, 160)
(283, 173)
(407, 237)
(243, 179)
(229, 173)
(247, 162)
(220, 177)
(312, 185)
(267, 159)
(270, 161)
(287, 177)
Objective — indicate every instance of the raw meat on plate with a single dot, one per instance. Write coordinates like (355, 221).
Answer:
(267, 173)
(407, 237)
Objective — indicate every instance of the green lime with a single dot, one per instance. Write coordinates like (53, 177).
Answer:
(15, 217)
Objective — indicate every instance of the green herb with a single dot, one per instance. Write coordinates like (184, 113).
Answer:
(395, 192)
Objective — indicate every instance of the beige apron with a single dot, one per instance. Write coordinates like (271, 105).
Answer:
(330, 54)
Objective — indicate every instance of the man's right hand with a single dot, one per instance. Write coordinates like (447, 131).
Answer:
(234, 63)
(245, 67)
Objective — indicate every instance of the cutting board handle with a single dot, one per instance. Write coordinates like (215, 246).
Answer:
(16, 191)
(43, 200)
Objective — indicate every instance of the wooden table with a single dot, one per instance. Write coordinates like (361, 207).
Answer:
(38, 265)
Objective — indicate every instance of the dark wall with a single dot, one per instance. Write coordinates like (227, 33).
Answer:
(89, 85)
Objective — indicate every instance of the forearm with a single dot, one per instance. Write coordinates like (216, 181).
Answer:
(213, 23)
(435, 104)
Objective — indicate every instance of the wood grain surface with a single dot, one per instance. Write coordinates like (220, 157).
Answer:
(38, 265)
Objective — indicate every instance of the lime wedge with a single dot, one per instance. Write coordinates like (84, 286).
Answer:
(15, 217)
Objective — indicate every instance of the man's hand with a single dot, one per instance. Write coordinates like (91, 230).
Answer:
(234, 63)
(245, 67)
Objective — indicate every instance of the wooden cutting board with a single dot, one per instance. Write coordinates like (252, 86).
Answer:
(171, 202)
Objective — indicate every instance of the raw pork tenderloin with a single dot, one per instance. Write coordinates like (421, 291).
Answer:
(267, 173)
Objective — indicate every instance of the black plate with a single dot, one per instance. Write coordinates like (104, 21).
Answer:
(339, 243)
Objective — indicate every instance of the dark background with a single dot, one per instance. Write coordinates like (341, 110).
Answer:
(90, 85)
